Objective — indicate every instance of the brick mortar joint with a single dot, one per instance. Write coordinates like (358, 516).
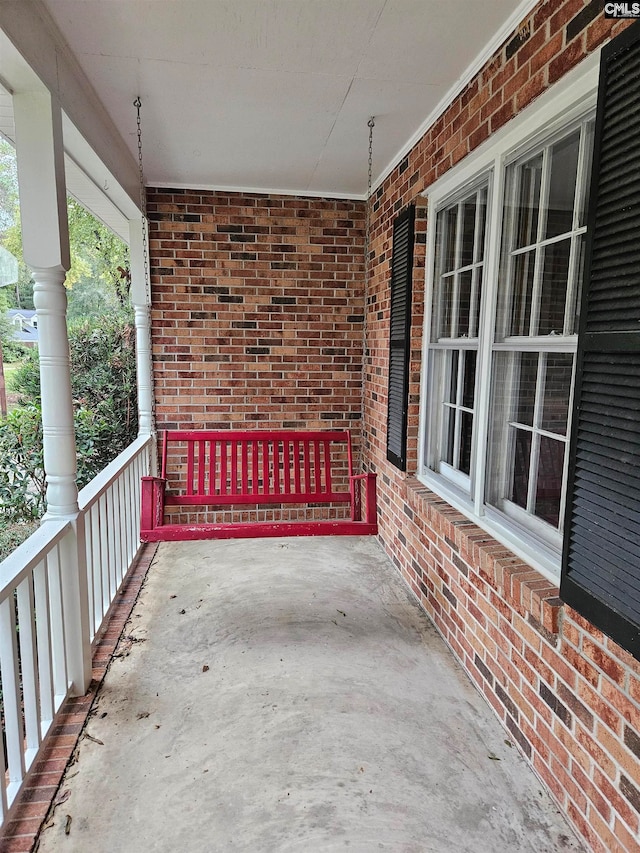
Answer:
(544, 606)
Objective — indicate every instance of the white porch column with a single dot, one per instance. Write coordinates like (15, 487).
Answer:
(142, 312)
(45, 242)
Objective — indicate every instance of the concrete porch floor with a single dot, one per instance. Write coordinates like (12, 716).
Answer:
(289, 695)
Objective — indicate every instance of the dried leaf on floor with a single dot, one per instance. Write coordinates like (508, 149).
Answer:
(493, 757)
(62, 798)
(94, 739)
(67, 826)
(205, 668)
(142, 715)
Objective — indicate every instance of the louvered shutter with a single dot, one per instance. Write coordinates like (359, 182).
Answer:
(399, 344)
(601, 560)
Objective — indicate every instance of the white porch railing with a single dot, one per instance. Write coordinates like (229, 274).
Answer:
(110, 505)
(34, 650)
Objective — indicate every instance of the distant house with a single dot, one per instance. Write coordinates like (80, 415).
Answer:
(25, 326)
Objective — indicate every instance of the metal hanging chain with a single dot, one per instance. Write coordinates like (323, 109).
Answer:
(145, 255)
(143, 205)
(367, 236)
(367, 243)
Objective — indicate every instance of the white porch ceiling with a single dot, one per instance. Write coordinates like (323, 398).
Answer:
(275, 94)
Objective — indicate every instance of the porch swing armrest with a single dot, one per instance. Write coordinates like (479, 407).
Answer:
(152, 508)
(371, 507)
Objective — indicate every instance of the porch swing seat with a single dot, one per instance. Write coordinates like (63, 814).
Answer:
(241, 474)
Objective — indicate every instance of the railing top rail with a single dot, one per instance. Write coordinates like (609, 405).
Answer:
(15, 568)
(101, 482)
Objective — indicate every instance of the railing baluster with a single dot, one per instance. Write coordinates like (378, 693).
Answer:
(43, 637)
(11, 690)
(213, 466)
(88, 533)
(202, 446)
(245, 467)
(58, 642)
(266, 486)
(327, 466)
(307, 467)
(317, 470)
(111, 546)
(254, 467)
(223, 468)
(117, 533)
(29, 663)
(286, 466)
(276, 466)
(296, 466)
(104, 556)
(234, 467)
(190, 445)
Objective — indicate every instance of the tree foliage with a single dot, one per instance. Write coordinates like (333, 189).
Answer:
(103, 386)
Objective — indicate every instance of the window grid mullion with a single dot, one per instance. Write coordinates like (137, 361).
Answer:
(503, 325)
(536, 292)
(535, 438)
(455, 308)
(458, 423)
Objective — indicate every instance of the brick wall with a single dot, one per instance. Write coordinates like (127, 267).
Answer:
(257, 310)
(569, 697)
(257, 317)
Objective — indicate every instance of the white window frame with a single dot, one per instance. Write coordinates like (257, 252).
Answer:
(565, 104)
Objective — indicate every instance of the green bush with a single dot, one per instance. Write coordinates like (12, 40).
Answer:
(103, 378)
(22, 481)
(14, 351)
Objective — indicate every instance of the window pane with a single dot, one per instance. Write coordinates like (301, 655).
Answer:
(522, 455)
(452, 383)
(468, 230)
(466, 431)
(583, 192)
(557, 388)
(442, 308)
(469, 379)
(562, 188)
(476, 296)
(482, 213)
(549, 481)
(579, 283)
(526, 388)
(528, 202)
(448, 433)
(554, 288)
(464, 303)
(449, 253)
(522, 291)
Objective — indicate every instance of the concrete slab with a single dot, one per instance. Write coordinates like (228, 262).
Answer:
(288, 695)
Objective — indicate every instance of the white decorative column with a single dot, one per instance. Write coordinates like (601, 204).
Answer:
(45, 243)
(140, 299)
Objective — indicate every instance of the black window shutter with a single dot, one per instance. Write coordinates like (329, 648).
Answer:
(399, 343)
(601, 559)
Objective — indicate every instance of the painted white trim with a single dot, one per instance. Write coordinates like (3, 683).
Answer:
(510, 25)
(292, 193)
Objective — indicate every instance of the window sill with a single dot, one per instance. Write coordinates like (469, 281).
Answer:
(534, 597)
